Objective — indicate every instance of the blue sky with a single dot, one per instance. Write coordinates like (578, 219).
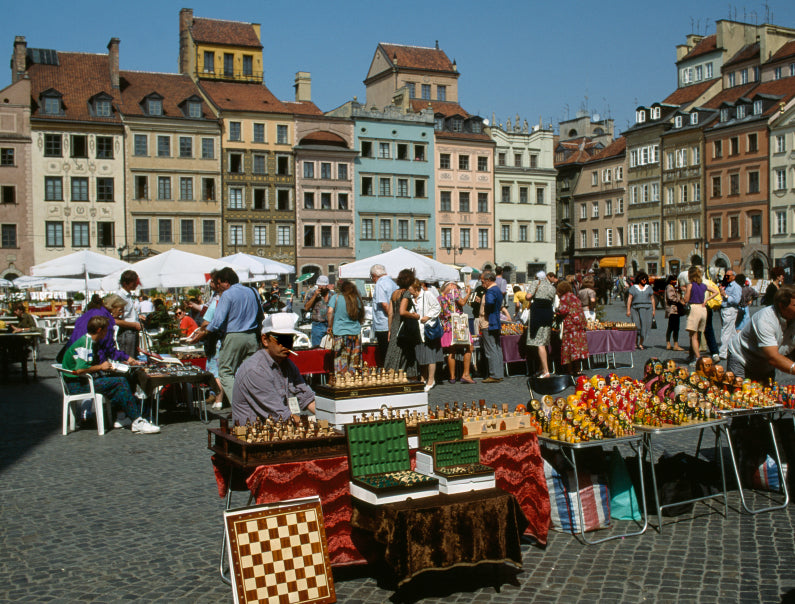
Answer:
(537, 59)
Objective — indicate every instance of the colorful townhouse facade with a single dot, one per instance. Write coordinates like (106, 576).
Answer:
(524, 209)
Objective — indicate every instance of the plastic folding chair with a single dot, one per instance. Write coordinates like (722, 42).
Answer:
(551, 385)
(101, 407)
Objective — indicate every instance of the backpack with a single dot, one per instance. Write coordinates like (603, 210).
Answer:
(716, 302)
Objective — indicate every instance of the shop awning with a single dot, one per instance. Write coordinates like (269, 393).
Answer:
(612, 261)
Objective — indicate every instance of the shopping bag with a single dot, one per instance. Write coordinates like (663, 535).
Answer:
(327, 342)
(623, 502)
(460, 330)
(767, 477)
(594, 495)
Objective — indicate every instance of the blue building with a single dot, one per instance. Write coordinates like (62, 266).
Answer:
(394, 179)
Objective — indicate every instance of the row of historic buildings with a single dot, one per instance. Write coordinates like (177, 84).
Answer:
(707, 175)
(209, 160)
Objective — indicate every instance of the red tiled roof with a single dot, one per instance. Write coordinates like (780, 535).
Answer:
(617, 147)
(729, 95)
(584, 153)
(688, 94)
(230, 33)
(746, 53)
(706, 45)
(236, 96)
(446, 108)
(784, 88)
(417, 57)
(302, 108)
(463, 135)
(786, 51)
(174, 88)
(78, 77)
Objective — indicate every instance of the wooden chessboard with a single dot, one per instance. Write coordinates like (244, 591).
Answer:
(280, 554)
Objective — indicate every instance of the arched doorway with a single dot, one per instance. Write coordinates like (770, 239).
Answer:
(757, 268)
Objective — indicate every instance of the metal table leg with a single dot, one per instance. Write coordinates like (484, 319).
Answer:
(769, 421)
(223, 563)
(718, 453)
(573, 463)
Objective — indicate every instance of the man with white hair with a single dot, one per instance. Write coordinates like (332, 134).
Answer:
(268, 384)
(384, 287)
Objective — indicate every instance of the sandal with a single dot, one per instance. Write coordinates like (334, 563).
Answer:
(641, 347)
(544, 375)
(468, 380)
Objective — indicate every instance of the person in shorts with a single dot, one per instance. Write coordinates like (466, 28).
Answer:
(697, 294)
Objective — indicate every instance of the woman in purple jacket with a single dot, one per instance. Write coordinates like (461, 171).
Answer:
(111, 307)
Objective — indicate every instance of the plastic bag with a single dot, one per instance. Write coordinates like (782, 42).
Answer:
(623, 502)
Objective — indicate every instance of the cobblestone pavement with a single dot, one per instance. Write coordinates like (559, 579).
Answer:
(138, 518)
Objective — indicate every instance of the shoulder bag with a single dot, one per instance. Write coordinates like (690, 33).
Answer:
(433, 327)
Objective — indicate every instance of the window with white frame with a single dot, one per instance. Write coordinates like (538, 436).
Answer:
(594, 178)
(683, 190)
(678, 121)
(699, 73)
(505, 232)
(620, 173)
(606, 174)
(583, 211)
(669, 195)
(522, 232)
(696, 191)
(367, 229)
(236, 198)
(781, 222)
(259, 133)
(595, 237)
(385, 228)
(781, 179)
(620, 205)
(669, 160)
(708, 70)
(633, 195)
(608, 207)
(655, 191)
(260, 234)
(620, 236)
(483, 239)
(693, 119)
(284, 235)
(609, 237)
(681, 158)
(383, 150)
(696, 153)
(683, 229)
(655, 232)
(781, 143)
(670, 230)
(465, 240)
(236, 234)
(696, 228)
(583, 239)
(595, 209)
(644, 193)
(540, 233)
(447, 237)
(187, 231)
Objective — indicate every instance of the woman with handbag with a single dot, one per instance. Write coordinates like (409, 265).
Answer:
(674, 308)
(456, 339)
(402, 336)
(428, 350)
(640, 306)
(345, 318)
(539, 325)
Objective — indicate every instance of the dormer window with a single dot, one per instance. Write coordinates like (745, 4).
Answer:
(640, 116)
(694, 119)
(477, 127)
(457, 124)
(194, 109)
(153, 104)
(655, 113)
(757, 107)
(101, 105)
(740, 112)
(438, 123)
(52, 102)
(724, 114)
(678, 121)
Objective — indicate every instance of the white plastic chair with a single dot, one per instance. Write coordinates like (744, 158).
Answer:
(50, 329)
(101, 407)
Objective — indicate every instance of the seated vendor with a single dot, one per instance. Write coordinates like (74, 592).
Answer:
(68, 309)
(26, 320)
(268, 384)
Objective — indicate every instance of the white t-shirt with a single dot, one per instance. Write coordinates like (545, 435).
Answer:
(146, 307)
(766, 328)
(130, 312)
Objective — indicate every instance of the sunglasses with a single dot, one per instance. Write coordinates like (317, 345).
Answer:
(284, 339)
(178, 313)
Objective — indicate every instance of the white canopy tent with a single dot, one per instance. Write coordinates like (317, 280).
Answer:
(58, 284)
(260, 268)
(174, 268)
(79, 265)
(426, 269)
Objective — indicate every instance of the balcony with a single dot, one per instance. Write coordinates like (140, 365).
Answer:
(231, 76)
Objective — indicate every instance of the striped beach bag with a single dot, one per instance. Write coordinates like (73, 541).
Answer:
(594, 495)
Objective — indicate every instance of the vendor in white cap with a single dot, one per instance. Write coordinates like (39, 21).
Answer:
(268, 384)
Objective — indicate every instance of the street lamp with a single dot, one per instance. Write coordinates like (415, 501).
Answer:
(459, 250)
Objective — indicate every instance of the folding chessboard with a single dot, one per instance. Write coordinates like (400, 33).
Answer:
(278, 553)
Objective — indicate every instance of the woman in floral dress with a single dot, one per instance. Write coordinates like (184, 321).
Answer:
(345, 315)
(573, 344)
(452, 302)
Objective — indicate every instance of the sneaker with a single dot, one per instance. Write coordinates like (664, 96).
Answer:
(211, 398)
(715, 358)
(218, 405)
(429, 386)
(122, 422)
(141, 426)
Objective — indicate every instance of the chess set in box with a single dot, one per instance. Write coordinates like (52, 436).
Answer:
(431, 432)
(270, 442)
(378, 457)
(339, 405)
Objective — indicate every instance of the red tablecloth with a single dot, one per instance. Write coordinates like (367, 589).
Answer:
(515, 458)
(320, 360)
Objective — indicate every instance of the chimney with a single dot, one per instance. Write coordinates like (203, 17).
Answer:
(303, 86)
(185, 54)
(19, 60)
(113, 60)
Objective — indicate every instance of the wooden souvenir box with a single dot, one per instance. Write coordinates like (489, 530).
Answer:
(378, 457)
(339, 406)
(457, 466)
(429, 433)
(251, 455)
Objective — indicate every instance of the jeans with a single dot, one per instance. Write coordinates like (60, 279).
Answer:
(117, 390)
(492, 350)
(319, 329)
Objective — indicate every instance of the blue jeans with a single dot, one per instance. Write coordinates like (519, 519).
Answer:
(319, 329)
(116, 390)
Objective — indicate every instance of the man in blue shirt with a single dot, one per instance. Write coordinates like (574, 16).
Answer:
(384, 287)
(490, 327)
(732, 293)
(238, 316)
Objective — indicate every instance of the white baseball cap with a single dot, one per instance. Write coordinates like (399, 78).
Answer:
(322, 280)
(280, 322)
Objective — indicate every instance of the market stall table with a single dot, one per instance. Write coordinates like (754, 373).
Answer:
(443, 531)
(601, 342)
(569, 450)
(510, 350)
(766, 415)
(652, 433)
(320, 361)
(16, 348)
(516, 459)
(151, 380)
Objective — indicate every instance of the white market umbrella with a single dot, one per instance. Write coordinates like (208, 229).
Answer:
(85, 264)
(262, 268)
(174, 268)
(57, 284)
(395, 261)
(5, 283)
